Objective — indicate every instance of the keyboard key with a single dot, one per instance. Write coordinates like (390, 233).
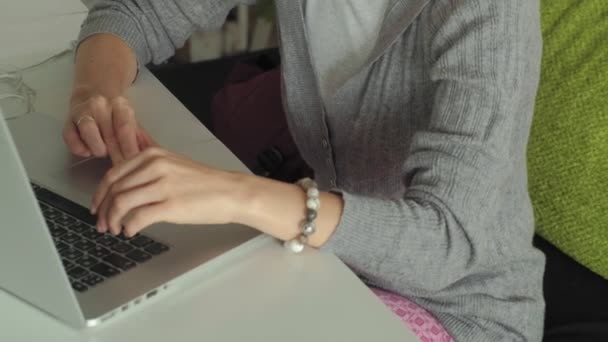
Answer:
(156, 248)
(67, 264)
(79, 227)
(107, 241)
(65, 220)
(77, 272)
(105, 270)
(92, 279)
(48, 214)
(87, 261)
(118, 261)
(138, 256)
(65, 205)
(70, 237)
(57, 231)
(122, 248)
(140, 241)
(84, 245)
(99, 252)
(71, 254)
(92, 235)
(79, 287)
(123, 237)
(61, 246)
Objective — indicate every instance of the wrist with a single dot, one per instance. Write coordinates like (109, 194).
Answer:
(278, 208)
(244, 191)
(80, 93)
(266, 204)
(83, 92)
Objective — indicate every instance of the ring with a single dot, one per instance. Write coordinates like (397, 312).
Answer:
(80, 119)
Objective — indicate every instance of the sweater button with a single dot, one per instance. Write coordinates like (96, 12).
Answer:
(325, 143)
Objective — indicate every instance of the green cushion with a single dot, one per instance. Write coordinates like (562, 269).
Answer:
(568, 151)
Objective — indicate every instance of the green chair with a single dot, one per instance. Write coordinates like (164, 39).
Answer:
(568, 150)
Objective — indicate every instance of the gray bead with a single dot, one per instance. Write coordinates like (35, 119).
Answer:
(311, 215)
(308, 228)
(303, 239)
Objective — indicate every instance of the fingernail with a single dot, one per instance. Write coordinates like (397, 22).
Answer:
(93, 210)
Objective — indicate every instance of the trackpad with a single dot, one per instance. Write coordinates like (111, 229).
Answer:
(82, 179)
(88, 174)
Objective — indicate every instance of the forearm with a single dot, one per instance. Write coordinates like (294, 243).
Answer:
(278, 209)
(105, 65)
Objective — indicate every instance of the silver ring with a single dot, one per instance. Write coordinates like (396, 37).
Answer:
(80, 119)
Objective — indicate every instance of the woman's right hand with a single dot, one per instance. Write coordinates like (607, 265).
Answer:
(100, 126)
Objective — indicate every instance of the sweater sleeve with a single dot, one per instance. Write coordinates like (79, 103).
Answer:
(155, 28)
(440, 230)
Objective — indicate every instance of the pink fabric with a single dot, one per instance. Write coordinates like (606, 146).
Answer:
(420, 321)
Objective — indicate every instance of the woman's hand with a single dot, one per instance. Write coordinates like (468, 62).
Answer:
(99, 126)
(159, 186)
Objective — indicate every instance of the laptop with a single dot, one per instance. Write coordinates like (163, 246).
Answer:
(52, 257)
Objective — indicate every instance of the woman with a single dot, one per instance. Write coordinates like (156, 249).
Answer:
(413, 114)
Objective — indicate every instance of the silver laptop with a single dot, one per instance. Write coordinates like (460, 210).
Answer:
(52, 257)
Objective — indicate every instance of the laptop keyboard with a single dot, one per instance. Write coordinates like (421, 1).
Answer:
(89, 257)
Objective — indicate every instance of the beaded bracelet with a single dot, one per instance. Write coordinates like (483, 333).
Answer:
(308, 227)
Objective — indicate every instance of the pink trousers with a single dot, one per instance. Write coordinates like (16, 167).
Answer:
(417, 319)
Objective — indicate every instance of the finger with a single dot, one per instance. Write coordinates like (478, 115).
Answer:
(113, 149)
(118, 172)
(145, 216)
(92, 137)
(73, 141)
(102, 225)
(125, 127)
(144, 139)
(97, 108)
(107, 133)
(138, 177)
(124, 202)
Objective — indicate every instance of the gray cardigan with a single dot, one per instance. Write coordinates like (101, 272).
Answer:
(427, 145)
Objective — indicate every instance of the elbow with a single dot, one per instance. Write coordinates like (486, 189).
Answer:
(448, 251)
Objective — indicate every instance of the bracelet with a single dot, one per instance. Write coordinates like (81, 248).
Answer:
(308, 227)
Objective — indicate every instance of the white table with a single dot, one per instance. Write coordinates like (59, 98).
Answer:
(268, 295)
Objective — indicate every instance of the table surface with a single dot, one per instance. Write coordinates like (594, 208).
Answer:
(265, 295)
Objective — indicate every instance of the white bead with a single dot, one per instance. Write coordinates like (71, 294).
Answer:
(313, 193)
(313, 204)
(306, 183)
(294, 246)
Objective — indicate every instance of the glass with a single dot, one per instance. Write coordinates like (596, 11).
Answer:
(15, 95)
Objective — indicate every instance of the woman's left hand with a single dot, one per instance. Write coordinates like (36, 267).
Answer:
(159, 186)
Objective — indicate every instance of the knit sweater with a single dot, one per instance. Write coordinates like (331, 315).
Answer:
(426, 144)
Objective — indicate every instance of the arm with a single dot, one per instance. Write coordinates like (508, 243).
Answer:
(115, 37)
(105, 67)
(155, 28)
(106, 64)
(440, 231)
(483, 60)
